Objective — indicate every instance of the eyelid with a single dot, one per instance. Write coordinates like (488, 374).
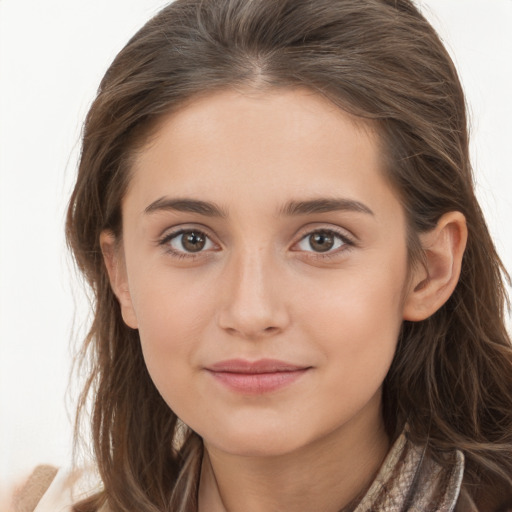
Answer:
(321, 226)
(192, 226)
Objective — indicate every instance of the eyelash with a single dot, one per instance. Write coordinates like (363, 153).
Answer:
(346, 243)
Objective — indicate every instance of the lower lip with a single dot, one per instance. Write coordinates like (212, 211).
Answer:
(258, 383)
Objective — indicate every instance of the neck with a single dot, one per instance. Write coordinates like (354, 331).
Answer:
(328, 474)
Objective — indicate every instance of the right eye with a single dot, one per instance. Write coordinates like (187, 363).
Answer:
(187, 242)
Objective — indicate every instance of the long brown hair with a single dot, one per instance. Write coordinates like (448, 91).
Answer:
(451, 378)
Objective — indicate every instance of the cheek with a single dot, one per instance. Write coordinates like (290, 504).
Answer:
(171, 318)
(355, 319)
(356, 302)
(171, 306)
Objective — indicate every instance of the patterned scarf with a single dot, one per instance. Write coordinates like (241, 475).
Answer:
(410, 481)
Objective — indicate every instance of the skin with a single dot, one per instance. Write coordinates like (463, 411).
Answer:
(260, 289)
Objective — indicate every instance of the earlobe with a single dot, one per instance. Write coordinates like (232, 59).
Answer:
(433, 283)
(113, 257)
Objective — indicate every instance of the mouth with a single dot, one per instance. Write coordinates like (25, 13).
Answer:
(256, 377)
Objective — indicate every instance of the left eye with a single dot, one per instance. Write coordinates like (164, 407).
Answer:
(321, 241)
(189, 241)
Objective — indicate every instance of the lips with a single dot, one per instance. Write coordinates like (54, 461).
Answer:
(256, 377)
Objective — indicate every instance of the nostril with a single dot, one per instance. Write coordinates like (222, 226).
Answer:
(247, 333)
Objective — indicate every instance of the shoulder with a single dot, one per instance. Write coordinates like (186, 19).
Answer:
(49, 489)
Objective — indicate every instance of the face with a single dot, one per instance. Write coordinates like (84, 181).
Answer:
(264, 263)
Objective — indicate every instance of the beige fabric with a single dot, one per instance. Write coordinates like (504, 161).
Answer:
(26, 499)
(60, 496)
(51, 490)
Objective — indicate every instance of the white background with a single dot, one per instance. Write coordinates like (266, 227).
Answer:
(53, 54)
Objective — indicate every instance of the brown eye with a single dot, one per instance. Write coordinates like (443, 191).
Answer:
(190, 241)
(193, 241)
(323, 241)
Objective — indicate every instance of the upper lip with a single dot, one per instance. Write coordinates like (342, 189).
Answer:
(254, 367)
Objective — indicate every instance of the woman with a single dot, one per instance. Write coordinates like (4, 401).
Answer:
(298, 303)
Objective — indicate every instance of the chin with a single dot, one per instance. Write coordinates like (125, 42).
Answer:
(258, 441)
(256, 448)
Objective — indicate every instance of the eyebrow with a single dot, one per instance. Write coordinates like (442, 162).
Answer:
(324, 205)
(186, 205)
(292, 208)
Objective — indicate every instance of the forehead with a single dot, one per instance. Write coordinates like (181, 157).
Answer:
(255, 142)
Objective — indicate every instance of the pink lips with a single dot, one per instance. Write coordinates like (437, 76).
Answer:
(256, 377)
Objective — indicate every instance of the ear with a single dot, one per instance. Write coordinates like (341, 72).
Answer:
(432, 284)
(113, 255)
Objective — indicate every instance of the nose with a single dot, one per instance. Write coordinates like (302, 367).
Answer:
(253, 304)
